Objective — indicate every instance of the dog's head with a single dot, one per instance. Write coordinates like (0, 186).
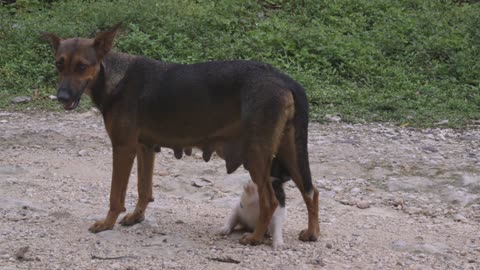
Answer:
(78, 62)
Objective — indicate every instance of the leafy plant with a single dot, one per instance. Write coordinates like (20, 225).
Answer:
(410, 62)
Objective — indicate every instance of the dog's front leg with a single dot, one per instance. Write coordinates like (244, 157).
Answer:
(145, 160)
(123, 156)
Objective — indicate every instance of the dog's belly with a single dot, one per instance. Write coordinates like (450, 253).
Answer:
(226, 141)
(188, 135)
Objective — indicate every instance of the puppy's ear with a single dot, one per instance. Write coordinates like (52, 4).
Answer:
(104, 41)
(250, 188)
(53, 39)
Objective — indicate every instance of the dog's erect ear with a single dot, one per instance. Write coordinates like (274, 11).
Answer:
(53, 39)
(104, 41)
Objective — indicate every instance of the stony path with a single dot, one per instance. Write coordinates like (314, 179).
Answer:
(391, 198)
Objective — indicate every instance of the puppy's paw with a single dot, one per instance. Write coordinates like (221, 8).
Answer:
(278, 244)
(132, 218)
(101, 225)
(250, 239)
(225, 230)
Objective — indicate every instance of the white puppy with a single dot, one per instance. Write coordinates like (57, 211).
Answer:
(246, 212)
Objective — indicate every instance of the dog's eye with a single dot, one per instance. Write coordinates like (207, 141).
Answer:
(81, 67)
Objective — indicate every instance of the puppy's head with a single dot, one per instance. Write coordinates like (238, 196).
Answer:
(78, 63)
(250, 194)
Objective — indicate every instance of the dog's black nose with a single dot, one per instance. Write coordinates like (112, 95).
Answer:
(64, 96)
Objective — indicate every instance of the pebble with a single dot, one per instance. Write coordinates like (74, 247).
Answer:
(3, 121)
(345, 202)
(20, 253)
(83, 153)
(398, 202)
(363, 204)
(329, 245)
(443, 122)
(52, 97)
(21, 99)
(163, 173)
(459, 218)
(333, 118)
(355, 191)
(319, 262)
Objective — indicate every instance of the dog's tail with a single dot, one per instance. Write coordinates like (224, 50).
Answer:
(301, 129)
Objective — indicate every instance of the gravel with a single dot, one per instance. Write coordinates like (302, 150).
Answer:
(390, 198)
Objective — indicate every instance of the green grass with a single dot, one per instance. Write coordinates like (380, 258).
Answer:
(405, 61)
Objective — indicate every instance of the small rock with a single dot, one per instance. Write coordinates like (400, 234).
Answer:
(20, 253)
(398, 202)
(429, 149)
(443, 122)
(329, 245)
(198, 184)
(52, 97)
(319, 262)
(355, 191)
(345, 202)
(3, 121)
(201, 182)
(261, 16)
(363, 204)
(83, 153)
(163, 173)
(333, 118)
(21, 99)
(179, 221)
(459, 218)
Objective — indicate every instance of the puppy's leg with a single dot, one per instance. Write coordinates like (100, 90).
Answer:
(123, 157)
(232, 221)
(145, 160)
(276, 227)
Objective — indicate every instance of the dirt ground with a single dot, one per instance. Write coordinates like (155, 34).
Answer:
(391, 198)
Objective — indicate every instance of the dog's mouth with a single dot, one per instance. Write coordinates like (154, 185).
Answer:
(71, 105)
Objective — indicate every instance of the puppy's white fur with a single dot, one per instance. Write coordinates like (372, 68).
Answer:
(246, 213)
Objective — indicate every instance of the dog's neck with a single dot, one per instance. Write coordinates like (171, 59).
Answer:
(106, 85)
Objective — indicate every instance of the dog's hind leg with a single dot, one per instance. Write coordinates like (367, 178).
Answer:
(145, 160)
(258, 164)
(123, 157)
(295, 157)
(265, 131)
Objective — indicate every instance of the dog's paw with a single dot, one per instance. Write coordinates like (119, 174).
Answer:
(225, 230)
(250, 239)
(308, 235)
(132, 218)
(101, 225)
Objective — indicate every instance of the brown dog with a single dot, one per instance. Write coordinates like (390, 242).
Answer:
(247, 112)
